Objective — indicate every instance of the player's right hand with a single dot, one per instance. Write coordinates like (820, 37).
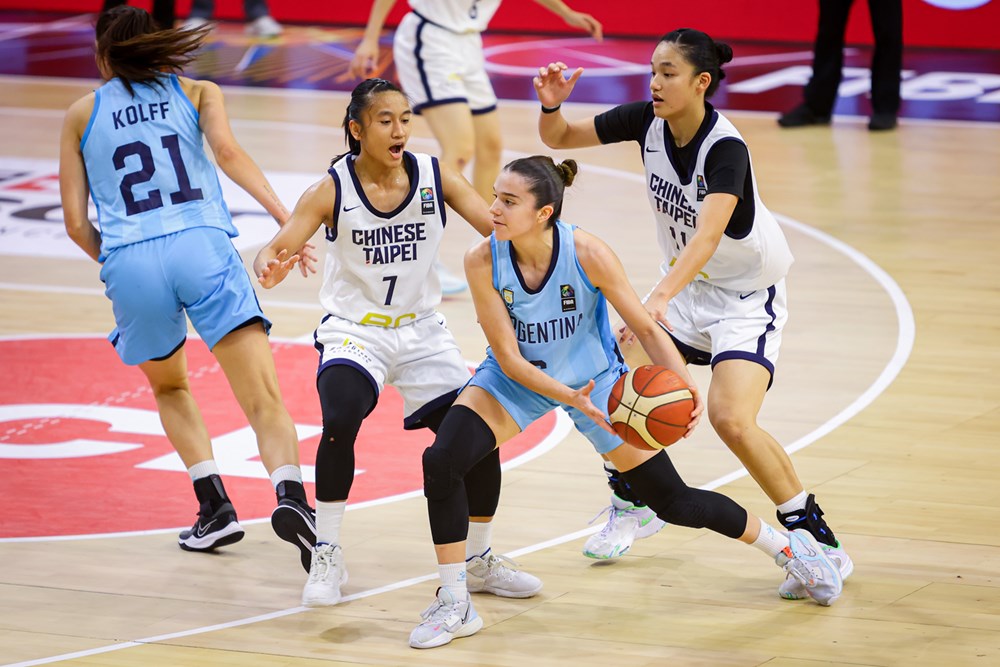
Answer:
(276, 269)
(552, 87)
(580, 400)
(363, 64)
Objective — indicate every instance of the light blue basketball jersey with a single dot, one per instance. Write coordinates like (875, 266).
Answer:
(148, 172)
(562, 327)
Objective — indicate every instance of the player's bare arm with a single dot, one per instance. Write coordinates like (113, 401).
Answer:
(710, 226)
(314, 208)
(495, 322)
(605, 271)
(73, 184)
(553, 88)
(461, 196)
(573, 18)
(365, 60)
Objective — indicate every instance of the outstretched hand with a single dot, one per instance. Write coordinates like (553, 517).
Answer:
(363, 64)
(552, 87)
(587, 23)
(276, 269)
(580, 400)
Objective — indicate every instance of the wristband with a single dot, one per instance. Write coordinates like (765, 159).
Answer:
(554, 109)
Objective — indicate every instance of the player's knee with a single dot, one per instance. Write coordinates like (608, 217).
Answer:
(732, 428)
(440, 480)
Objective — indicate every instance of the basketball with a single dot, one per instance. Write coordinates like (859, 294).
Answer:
(650, 407)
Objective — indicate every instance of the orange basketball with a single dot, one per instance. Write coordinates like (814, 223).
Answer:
(650, 407)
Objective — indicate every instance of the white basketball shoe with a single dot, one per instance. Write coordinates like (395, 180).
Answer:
(626, 523)
(326, 575)
(500, 575)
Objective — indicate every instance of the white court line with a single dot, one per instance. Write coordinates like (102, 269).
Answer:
(904, 345)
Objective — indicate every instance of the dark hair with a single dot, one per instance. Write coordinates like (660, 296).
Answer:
(136, 50)
(703, 52)
(361, 98)
(546, 180)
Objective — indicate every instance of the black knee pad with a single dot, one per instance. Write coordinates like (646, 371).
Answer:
(440, 480)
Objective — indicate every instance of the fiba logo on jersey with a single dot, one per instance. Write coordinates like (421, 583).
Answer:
(702, 189)
(427, 201)
(568, 297)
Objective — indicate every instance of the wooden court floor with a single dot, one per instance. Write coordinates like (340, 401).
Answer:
(887, 389)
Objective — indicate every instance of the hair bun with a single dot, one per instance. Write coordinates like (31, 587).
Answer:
(724, 51)
(568, 170)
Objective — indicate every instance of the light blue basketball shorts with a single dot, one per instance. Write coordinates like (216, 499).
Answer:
(152, 284)
(525, 406)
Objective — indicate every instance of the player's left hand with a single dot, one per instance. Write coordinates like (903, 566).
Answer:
(587, 23)
(581, 401)
(276, 269)
(657, 308)
(308, 261)
(699, 405)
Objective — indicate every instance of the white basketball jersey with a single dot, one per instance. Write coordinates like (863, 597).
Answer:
(756, 261)
(379, 265)
(457, 15)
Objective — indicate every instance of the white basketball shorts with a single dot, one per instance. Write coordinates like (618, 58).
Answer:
(421, 360)
(437, 66)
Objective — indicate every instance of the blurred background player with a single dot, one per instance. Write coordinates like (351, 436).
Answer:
(259, 22)
(384, 213)
(520, 278)
(135, 145)
(722, 295)
(438, 52)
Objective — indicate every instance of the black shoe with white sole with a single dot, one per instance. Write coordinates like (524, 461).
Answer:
(294, 521)
(212, 530)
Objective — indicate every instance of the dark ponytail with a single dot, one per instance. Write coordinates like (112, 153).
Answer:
(704, 53)
(133, 48)
(546, 180)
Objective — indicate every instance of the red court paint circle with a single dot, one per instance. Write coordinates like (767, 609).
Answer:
(109, 493)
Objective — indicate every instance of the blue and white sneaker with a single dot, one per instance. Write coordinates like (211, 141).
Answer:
(807, 563)
(446, 619)
(626, 523)
(792, 589)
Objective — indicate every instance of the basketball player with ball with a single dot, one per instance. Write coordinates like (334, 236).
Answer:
(541, 289)
(722, 294)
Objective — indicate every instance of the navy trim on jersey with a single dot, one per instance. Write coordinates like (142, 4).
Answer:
(93, 117)
(548, 273)
(413, 172)
(437, 103)
(440, 191)
(415, 421)
(646, 123)
(480, 112)
(685, 175)
(355, 365)
(331, 231)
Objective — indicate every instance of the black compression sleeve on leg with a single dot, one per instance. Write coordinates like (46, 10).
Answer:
(346, 396)
(675, 502)
(482, 485)
(462, 441)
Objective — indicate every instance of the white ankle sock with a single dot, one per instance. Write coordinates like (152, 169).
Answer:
(203, 469)
(478, 541)
(453, 579)
(796, 503)
(328, 519)
(286, 473)
(770, 541)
